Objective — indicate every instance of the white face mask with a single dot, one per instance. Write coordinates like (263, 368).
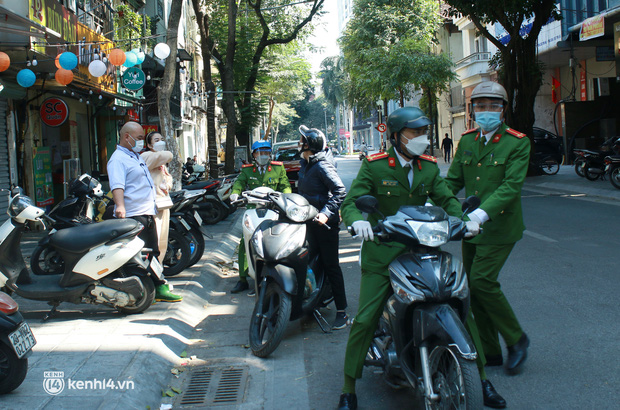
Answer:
(262, 160)
(416, 146)
(139, 145)
(159, 146)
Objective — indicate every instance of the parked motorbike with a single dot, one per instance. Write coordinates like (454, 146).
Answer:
(104, 263)
(547, 164)
(16, 343)
(421, 341)
(362, 155)
(192, 173)
(211, 207)
(612, 168)
(288, 285)
(591, 163)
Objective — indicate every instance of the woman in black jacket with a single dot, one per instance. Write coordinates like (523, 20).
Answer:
(320, 184)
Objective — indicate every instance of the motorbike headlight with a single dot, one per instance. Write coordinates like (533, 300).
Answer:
(431, 233)
(295, 242)
(297, 213)
(404, 289)
(19, 204)
(257, 242)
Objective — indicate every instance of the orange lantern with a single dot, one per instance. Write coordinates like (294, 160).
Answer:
(57, 62)
(5, 61)
(117, 57)
(63, 76)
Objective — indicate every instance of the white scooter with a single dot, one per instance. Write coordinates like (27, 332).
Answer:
(105, 263)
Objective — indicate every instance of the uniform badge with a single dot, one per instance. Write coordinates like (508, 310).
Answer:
(496, 138)
(269, 169)
(389, 182)
(392, 162)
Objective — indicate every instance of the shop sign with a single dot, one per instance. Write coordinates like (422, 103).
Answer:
(592, 28)
(54, 112)
(134, 79)
(150, 128)
(57, 20)
(43, 184)
(133, 115)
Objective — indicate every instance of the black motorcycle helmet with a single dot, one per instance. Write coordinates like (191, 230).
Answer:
(406, 117)
(312, 139)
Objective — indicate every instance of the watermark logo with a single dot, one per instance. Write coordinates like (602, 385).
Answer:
(53, 382)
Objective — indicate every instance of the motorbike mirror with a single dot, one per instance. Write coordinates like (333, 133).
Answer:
(367, 203)
(471, 203)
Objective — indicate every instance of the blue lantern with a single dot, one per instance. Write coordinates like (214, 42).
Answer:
(68, 60)
(130, 60)
(26, 78)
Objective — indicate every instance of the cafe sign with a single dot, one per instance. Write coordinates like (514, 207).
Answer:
(54, 112)
(133, 79)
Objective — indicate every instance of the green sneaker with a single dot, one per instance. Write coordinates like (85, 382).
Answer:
(163, 294)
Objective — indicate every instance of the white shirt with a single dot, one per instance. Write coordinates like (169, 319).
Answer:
(480, 215)
(128, 171)
(404, 161)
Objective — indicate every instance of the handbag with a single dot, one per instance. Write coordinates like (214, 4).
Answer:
(163, 202)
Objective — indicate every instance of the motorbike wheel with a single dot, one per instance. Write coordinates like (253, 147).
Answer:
(614, 177)
(212, 214)
(579, 167)
(269, 320)
(455, 380)
(549, 166)
(197, 246)
(46, 261)
(590, 176)
(12, 369)
(178, 253)
(147, 298)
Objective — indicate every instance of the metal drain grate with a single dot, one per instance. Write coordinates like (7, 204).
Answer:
(215, 386)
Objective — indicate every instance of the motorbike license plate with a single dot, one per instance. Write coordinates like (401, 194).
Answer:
(157, 268)
(22, 340)
(198, 218)
(185, 224)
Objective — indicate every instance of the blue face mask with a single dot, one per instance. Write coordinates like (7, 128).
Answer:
(488, 120)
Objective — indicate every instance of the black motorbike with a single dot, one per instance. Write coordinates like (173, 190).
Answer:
(421, 341)
(612, 168)
(16, 343)
(591, 163)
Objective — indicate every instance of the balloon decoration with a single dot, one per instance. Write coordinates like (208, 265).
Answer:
(5, 61)
(139, 54)
(26, 78)
(117, 57)
(63, 76)
(68, 60)
(97, 68)
(161, 51)
(132, 59)
(57, 62)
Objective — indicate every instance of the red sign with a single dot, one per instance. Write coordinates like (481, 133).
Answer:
(583, 83)
(54, 112)
(347, 135)
(133, 115)
(381, 127)
(150, 128)
(341, 131)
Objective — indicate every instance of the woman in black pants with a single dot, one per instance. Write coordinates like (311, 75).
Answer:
(320, 184)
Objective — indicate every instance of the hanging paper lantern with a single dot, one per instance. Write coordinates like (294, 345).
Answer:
(26, 78)
(139, 54)
(5, 61)
(131, 60)
(63, 76)
(68, 60)
(161, 51)
(57, 62)
(117, 57)
(97, 68)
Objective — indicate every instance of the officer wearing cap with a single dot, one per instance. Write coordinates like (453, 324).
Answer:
(401, 176)
(491, 162)
(263, 172)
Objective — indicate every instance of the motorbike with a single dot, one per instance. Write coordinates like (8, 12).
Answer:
(591, 163)
(288, 284)
(104, 263)
(546, 163)
(192, 173)
(211, 207)
(420, 341)
(362, 155)
(612, 168)
(16, 343)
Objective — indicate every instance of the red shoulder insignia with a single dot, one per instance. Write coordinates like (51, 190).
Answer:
(247, 165)
(428, 158)
(515, 133)
(276, 163)
(379, 155)
(470, 130)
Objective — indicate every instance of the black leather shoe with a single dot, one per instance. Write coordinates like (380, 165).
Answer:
(517, 354)
(240, 287)
(494, 360)
(348, 401)
(492, 397)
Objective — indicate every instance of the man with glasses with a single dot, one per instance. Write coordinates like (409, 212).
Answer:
(491, 162)
(133, 191)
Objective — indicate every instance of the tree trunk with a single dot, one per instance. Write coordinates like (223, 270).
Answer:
(272, 104)
(228, 86)
(164, 91)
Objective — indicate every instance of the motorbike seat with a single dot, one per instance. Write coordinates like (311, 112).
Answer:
(81, 238)
(210, 185)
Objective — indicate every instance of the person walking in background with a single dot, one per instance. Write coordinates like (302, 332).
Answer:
(320, 184)
(156, 157)
(133, 191)
(491, 162)
(446, 145)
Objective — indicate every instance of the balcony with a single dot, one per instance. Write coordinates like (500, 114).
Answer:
(97, 15)
(474, 58)
(476, 64)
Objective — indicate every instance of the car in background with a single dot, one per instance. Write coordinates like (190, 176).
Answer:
(288, 154)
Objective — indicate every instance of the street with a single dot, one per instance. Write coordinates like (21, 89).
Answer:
(561, 280)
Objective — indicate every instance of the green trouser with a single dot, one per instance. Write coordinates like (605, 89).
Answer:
(242, 261)
(490, 308)
(375, 288)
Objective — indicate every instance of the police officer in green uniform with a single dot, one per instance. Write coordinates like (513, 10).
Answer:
(400, 176)
(491, 162)
(263, 172)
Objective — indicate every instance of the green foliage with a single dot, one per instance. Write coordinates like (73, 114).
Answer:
(334, 80)
(130, 25)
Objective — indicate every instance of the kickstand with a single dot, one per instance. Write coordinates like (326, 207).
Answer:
(51, 313)
(320, 319)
